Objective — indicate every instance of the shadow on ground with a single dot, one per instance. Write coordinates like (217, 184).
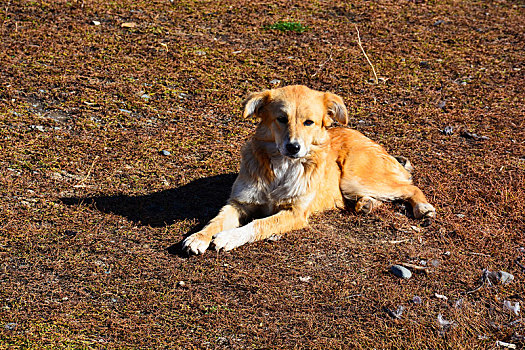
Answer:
(198, 200)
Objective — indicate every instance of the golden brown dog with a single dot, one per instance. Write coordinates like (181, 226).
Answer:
(294, 166)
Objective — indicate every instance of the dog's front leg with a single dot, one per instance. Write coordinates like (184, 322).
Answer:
(283, 221)
(228, 218)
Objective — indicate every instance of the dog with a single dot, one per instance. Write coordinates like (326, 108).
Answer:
(295, 165)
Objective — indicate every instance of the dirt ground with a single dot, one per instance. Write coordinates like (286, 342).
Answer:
(92, 210)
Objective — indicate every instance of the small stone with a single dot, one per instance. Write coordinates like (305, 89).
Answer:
(514, 307)
(416, 299)
(165, 153)
(145, 96)
(461, 216)
(447, 130)
(181, 284)
(125, 111)
(37, 127)
(424, 64)
(441, 296)
(305, 279)
(200, 53)
(505, 277)
(438, 22)
(275, 82)
(396, 314)
(95, 23)
(434, 262)
(444, 323)
(401, 271)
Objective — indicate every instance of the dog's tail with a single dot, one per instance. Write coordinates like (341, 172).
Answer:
(405, 163)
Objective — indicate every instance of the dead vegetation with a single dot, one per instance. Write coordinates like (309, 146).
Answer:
(91, 209)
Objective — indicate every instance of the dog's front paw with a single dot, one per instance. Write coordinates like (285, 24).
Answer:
(424, 210)
(195, 244)
(231, 239)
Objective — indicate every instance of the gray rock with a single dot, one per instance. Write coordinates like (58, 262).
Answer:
(448, 130)
(505, 277)
(165, 153)
(434, 262)
(499, 277)
(37, 127)
(396, 314)
(401, 271)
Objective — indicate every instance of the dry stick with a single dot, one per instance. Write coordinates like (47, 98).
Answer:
(322, 65)
(364, 53)
(88, 173)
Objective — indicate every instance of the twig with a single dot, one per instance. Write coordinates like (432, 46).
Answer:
(88, 173)
(415, 267)
(364, 53)
(484, 279)
(396, 242)
(329, 59)
(480, 254)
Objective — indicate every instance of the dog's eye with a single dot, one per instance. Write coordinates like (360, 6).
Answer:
(282, 120)
(308, 122)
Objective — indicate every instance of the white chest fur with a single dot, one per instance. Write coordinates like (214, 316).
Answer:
(289, 179)
(289, 183)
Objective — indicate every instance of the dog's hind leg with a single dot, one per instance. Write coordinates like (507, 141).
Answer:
(283, 221)
(369, 197)
(228, 218)
(420, 206)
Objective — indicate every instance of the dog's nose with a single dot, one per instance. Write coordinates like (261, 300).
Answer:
(293, 148)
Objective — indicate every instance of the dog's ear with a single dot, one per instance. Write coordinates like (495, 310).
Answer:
(254, 101)
(336, 109)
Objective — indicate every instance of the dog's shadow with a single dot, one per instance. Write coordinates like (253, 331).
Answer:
(198, 200)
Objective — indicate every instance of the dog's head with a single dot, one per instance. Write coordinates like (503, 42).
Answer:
(295, 117)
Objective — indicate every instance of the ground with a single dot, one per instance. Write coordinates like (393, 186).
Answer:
(121, 129)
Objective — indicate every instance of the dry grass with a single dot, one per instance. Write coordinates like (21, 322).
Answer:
(91, 211)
